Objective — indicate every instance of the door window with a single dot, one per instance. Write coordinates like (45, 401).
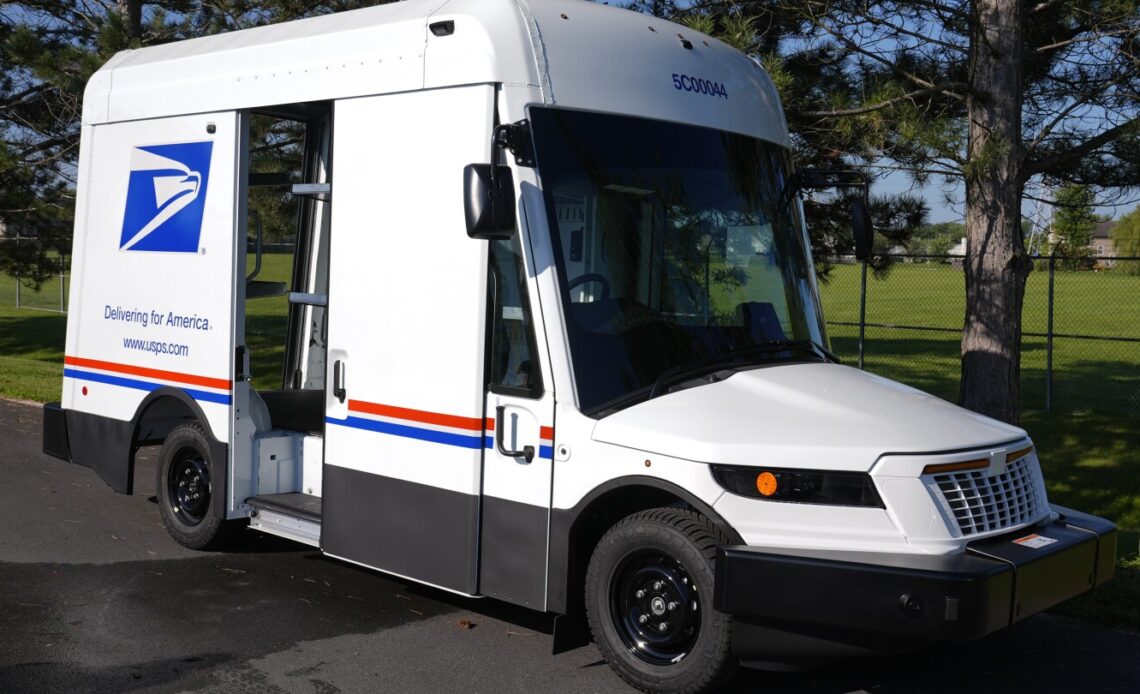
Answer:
(513, 368)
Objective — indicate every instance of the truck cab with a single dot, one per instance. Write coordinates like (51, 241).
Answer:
(613, 401)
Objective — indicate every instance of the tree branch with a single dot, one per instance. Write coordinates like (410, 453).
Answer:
(871, 108)
(1089, 145)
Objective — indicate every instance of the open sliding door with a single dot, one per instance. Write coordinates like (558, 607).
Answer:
(407, 318)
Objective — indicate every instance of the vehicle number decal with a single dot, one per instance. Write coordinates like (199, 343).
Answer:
(688, 83)
(1034, 541)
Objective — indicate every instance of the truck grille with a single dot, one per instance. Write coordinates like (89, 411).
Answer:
(981, 503)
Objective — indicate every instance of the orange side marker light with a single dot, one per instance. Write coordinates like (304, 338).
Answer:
(766, 483)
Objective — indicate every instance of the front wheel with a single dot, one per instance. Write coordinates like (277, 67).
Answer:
(184, 487)
(649, 591)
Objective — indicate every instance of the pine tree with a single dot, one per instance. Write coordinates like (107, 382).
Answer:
(48, 50)
(1073, 225)
(1000, 96)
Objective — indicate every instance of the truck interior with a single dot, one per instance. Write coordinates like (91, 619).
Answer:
(285, 321)
(288, 204)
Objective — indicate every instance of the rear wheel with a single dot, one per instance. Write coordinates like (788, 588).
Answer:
(649, 591)
(184, 487)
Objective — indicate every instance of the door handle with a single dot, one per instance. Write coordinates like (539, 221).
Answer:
(527, 452)
(339, 391)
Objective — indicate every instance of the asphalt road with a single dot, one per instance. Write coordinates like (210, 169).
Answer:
(96, 597)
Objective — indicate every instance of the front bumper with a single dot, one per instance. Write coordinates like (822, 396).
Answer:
(993, 584)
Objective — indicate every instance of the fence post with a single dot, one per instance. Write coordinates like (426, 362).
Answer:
(17, 291)
(62, 308)
(862, 312)
(1049, 338)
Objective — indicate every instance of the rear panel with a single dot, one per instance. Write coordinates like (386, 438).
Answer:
(153, 268)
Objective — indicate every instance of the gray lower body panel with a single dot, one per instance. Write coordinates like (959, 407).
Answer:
(415, 530)
(513, 562)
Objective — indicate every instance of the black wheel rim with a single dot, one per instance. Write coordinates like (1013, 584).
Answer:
(655, 606)
(188, 487)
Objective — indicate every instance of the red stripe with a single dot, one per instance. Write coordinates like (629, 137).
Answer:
(444, 420)
(149, 373)
(544, 433)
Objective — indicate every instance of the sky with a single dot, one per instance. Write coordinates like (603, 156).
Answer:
(935, 194)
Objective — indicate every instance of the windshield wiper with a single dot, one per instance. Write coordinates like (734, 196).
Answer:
(684, 372)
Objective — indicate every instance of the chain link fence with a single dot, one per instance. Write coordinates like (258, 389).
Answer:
(1080, 346)
(50, 296)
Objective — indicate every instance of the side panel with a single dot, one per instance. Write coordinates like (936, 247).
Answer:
(152, 299)
(407, 307)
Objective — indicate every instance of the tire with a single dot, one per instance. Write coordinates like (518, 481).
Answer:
(649, 595)
(184, 489)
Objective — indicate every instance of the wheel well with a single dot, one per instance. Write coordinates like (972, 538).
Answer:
(604, 511)
(157, 418)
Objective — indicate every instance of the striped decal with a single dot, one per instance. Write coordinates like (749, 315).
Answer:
(175, 376)
(421, 425)
(161, 378)
(433, 427)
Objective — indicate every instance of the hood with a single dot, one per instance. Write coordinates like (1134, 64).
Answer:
(823, 416)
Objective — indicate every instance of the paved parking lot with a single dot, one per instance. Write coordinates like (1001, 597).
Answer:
(95, 597)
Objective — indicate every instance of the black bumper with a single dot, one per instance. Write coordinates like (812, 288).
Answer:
(992, 585)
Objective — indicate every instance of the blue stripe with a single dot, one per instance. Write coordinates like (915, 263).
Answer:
(444, 437)
(202, 395)
(546, 452)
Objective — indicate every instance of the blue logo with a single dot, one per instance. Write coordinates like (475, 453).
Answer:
(166, 197)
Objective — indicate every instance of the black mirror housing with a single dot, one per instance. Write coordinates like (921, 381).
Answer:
(861, 229)
(490, 211)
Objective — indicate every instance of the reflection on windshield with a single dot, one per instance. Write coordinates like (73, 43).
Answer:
(674, 247)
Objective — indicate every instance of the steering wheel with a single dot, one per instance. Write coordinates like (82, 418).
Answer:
(590, 277)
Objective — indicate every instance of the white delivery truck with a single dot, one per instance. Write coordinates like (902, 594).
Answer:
(553, 337)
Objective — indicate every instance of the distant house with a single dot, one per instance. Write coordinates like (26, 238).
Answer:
(1100, 246)
(1102, 243)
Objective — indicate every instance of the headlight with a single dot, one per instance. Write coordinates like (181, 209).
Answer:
(799, 486)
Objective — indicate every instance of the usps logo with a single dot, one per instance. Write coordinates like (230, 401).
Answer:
(166, 197)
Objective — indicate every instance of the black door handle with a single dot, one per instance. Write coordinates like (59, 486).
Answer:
(339, 391)
(527, 452)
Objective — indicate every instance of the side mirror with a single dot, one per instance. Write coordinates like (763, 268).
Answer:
(861, 228)
(488, 202)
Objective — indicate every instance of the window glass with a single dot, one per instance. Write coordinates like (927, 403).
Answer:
(513, 369)
(676, 245)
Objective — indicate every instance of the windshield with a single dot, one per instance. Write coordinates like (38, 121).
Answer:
(675, 245)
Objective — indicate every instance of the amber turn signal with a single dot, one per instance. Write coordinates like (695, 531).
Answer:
(766, 483)
(956, 467)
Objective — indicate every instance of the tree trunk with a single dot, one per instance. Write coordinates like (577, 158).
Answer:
(996, 262)
(131, 13)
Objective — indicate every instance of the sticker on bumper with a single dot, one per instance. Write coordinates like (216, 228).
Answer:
(1034, 541)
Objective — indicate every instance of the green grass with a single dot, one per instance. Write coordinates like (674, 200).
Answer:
(1088, 375)
(1091, 458)
(1092, 463)
(266, 322)
(31, 342)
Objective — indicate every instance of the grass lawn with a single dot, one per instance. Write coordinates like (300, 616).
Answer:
(1088, 375)
(1089, 445)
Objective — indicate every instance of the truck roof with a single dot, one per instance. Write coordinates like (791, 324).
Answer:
(575, 54)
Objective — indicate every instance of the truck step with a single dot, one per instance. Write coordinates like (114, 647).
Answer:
(293, 516)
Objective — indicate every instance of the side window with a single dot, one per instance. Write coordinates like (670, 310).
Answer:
(513, 369)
